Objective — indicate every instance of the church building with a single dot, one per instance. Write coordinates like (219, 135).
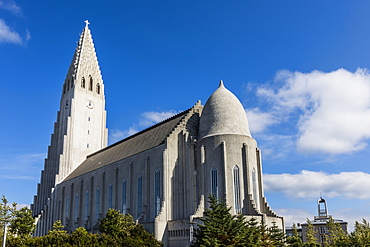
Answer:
(162, 175)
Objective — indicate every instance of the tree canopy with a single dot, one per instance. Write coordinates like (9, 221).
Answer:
(221, 228)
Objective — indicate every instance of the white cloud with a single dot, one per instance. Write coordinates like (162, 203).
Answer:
(153, 117)
(275, 146)
(293, 215)
(22, 205)
(147, 119)
(309, 184)
(333, 108)
(117, 135)
(28, 35)
(20, 162)
(258, 121)
(25, 166)
(12, 7)
(7, 35)
(16, 177)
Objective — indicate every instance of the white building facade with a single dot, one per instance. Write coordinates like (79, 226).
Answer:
(162, 175)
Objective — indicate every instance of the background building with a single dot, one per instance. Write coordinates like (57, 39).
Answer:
(161, 175)
(320, 224)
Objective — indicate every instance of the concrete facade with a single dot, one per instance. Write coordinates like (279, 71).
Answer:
(162, 175)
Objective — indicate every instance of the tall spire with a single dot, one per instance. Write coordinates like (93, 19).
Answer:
(84, 89)
(80, 128)
(84, 58)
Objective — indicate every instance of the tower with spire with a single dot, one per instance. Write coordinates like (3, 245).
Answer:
(80, 128)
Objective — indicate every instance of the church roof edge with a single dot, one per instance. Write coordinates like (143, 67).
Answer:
(132, 145)
(141, 132)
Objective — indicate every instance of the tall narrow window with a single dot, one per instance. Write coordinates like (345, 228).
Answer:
(68, 83)
(255, 189)
(157, 191)
(214, 182)
(64, 88)
(110, 196)
(98, 88)
(236, 178)
(97, 206)
(59, 209)
(139, 195)
(91, 84)
(86, 204)
(124, 197)
(77, 201)
(67, 207)
(83, 82)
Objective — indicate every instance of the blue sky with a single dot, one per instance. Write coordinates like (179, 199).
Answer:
(300, 68)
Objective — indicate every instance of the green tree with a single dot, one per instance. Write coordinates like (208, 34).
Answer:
(56, 236)
(252, 235)
(336, 236)
(122, 230)
(80, 237)
(310, 236)
(220, 228)
(116, 224)
(23, 223)
(294, 240)
(6, 215)
(276, 235)
(361, 234)
(57, 228)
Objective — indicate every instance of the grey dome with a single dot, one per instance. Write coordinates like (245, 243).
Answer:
(223, 114)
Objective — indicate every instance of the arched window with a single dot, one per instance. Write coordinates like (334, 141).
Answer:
(124, 197)
(83, 82)
(97, 205)
(139, 195)
(86, 204)
(68, 83)
(98, 88)
(64, 88)
(77, 203)
(110, 196)
(157, 191)
(255, 188)
(236, 178)
(214, 182)
(67, 207)
(91, 83)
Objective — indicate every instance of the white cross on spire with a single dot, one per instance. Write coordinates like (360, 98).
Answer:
(87, 23)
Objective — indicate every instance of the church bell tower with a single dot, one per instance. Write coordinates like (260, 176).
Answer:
(80, 128)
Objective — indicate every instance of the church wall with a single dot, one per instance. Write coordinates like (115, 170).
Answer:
(224, 152)
(179, 182)
(144, 163)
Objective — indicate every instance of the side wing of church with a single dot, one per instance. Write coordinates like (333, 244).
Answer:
(162, 175)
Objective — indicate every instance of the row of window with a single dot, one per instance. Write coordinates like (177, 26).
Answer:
(236, 186)
(179, 233)
(69, 84)
(91, 83)
(157, 193)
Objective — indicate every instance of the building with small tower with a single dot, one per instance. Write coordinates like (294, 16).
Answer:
(162, 175)
(319, 223)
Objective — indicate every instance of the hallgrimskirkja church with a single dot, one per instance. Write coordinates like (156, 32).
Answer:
(162, 175)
